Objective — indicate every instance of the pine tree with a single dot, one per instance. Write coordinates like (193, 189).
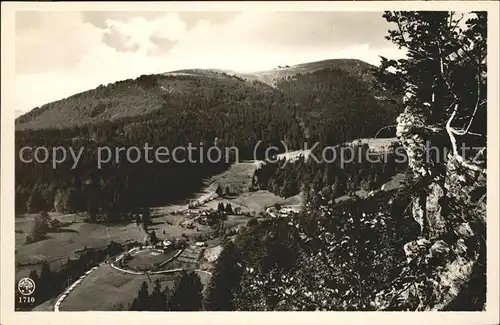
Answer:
(188, 293)
(141, 302)
(219, 190)
(45, 286)
(229, 208)
(220, 207)
(225, 279)
(146, 218)
(34, 276)
(153, 237)
(158, 299)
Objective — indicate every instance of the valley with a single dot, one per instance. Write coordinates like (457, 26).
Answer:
(112, 288)
(392, 226)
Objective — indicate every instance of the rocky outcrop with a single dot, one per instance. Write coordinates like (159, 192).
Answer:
(409, 129)
(448, 258)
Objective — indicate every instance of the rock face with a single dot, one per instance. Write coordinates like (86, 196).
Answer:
(448, 258)
(408, 131)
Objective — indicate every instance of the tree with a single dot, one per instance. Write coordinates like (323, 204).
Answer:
(225, 280)
(43, 215)
(34, 276)
(229, 208)
(219, 190)
(444, 76)
(64, 200)
(153, 237)
(41, 226)
(146, 218)
(220, 207)
(45, 285)
(158, 299)
(141, 302)
(188, 293)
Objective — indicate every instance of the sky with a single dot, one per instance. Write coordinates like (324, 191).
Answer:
(59, 53)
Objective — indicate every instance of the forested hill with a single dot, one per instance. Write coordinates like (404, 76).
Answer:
(357, 68)
(201, 89)
(329, 105)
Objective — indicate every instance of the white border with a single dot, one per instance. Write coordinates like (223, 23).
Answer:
(8, 316)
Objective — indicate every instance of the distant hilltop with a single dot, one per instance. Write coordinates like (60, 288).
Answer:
(150, 93)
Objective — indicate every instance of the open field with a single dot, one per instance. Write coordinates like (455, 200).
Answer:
(146, 259)
(238, 177)
(46, 306)
(258, 200)
(107, 289)
(58, 247)
(376, 144)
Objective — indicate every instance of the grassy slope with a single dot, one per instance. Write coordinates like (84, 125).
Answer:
(106, 287)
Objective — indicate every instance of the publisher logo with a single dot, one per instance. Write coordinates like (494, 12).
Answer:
(26, 286)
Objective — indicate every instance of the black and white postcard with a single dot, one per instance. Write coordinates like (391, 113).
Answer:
(290, 161)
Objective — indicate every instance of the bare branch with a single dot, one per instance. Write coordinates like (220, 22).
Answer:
(458, 21)
(453, 140)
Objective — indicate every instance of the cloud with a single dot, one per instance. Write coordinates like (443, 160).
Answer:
(62, 53)
(141, 34)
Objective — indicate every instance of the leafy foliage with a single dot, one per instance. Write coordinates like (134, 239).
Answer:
(446, 66)
(327, 258)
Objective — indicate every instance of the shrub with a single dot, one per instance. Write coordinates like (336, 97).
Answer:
(28, 240)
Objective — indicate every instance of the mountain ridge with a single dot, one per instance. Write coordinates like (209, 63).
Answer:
(149, 93)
